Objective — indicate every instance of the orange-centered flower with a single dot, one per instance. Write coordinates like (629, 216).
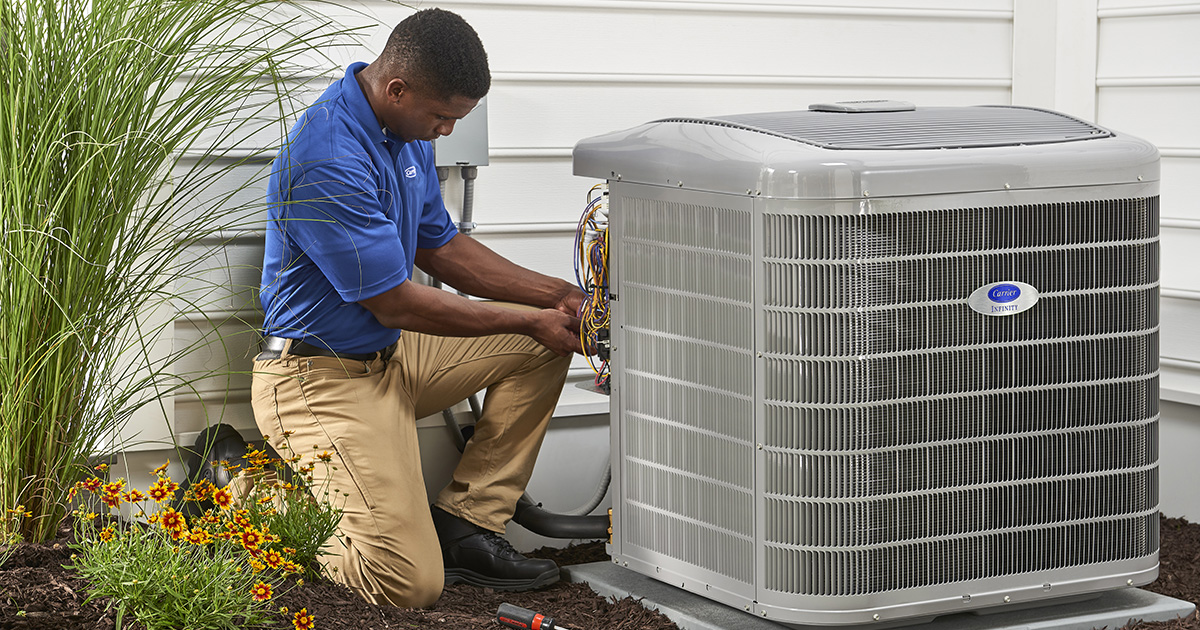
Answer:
(251, 538)
(304, 621)
(261, 592)
(273, 558)
(163, 489)
(223, 498)
(172, 521)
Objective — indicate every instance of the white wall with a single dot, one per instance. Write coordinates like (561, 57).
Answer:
(567, 69)
(1148, 84)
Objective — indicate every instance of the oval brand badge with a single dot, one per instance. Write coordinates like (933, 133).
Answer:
(1004, 293)
(1003, 298)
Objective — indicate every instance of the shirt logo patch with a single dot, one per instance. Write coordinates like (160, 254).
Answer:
(410, 172)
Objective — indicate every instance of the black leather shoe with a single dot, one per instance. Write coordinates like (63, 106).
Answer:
(479, 557)
(218, 443)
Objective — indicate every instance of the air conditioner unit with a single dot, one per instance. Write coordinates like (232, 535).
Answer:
(874, 362)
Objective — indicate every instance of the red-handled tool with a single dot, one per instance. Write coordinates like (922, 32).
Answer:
(517, 617)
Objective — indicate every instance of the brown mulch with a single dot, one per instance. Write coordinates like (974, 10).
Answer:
(36, 593)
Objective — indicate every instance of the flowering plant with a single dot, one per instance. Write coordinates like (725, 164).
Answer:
(220, 568)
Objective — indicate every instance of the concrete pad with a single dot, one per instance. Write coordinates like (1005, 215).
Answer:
(689, 611)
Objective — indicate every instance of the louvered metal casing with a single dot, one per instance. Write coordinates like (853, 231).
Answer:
(820, 416)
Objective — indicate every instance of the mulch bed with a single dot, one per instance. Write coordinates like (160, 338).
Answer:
(36, 593)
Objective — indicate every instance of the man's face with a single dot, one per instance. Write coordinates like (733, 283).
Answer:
(414, 115)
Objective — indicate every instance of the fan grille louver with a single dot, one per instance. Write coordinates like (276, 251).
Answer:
(906, 441)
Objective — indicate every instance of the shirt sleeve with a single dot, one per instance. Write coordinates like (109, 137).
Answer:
(333, 214)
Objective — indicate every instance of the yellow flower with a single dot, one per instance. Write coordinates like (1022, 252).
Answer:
(161, 469)
(106, 534)
(199, 537)
(273, 558)
(173, 522)
(303, 621)
(223, 498)
(251, 538)
(261, 592)
(163, 489)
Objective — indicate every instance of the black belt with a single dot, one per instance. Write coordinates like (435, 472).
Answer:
(272, 348)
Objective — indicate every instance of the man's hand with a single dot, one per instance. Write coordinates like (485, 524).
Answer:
(571, 301)
(557, 331)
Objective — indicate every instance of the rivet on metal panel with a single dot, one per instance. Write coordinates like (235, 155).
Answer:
(749, 191)
(747, 608)
(966, 598)
(681, 184)
(760, 355)
(875, 616)
(626, 563)
(1007, 185)
(1139, 178)
(1129, 582)
(866, 194)
(1046, 586)
(764, 613)
(618, 177)
(760, 446)
(1007, 599)
(708, 587)
(658, 569)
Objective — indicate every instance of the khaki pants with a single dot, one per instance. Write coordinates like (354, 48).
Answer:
(365, 414)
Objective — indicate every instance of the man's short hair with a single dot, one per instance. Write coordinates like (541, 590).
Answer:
(436, 50)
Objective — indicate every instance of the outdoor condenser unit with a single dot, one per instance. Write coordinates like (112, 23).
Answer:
(874, 362)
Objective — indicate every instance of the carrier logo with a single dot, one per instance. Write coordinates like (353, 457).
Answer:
(1003, 298)
(1004, 293)
(410, 172)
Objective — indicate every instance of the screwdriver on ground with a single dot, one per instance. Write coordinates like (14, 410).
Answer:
(517, 617)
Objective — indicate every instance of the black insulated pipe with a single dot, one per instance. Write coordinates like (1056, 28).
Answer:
(541, 521)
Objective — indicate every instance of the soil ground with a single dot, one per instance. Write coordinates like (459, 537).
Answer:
(37, 593)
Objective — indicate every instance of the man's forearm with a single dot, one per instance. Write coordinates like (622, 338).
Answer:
(474, 269)
(421, 308)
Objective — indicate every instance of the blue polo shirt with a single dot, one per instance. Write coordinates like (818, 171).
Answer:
(348, 206)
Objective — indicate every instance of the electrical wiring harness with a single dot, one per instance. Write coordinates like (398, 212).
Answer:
(591, 274)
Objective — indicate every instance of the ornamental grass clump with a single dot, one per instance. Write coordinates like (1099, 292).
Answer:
(220, 568)
(127, 155)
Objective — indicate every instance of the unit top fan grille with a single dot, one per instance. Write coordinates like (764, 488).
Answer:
(917, 128)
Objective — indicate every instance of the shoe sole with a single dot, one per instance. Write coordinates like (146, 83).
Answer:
(466, 576)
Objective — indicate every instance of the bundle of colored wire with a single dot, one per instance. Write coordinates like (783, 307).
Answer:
(591, 274)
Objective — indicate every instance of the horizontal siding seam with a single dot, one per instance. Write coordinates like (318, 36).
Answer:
(731, 79)
(1152, 11)
(700, 6)
(1176, 81)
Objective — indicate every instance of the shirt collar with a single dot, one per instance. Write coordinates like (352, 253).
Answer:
(360, 108)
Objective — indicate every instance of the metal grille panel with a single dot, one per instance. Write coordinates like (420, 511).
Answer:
(911, 442)
(687, 383)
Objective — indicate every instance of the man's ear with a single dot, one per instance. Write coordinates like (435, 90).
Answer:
(397, 88)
